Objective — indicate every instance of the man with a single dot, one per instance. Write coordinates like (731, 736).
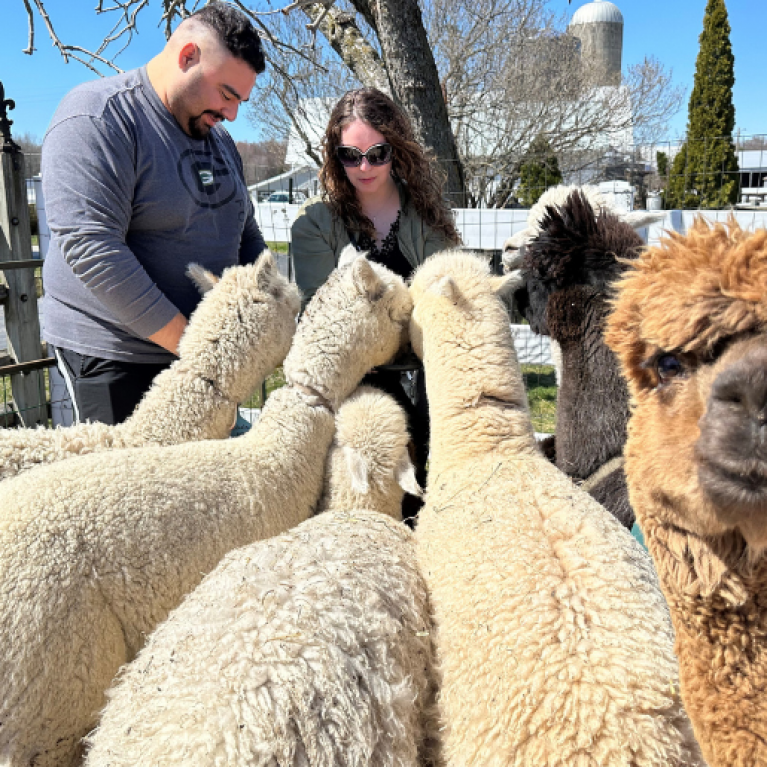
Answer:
(140, 178)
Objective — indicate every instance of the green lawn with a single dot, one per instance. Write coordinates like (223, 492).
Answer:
(275, 381)
(541, 385)
(278, 247)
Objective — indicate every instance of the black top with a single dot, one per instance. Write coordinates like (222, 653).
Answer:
(389, 254)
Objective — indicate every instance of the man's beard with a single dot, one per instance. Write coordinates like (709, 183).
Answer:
(197, 128)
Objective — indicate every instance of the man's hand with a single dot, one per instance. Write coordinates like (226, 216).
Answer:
(169, 336)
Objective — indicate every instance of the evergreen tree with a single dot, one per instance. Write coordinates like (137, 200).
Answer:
(661, 159)
(539, 171)
(705, 172)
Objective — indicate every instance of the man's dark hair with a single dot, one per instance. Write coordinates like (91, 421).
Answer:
(235, 31)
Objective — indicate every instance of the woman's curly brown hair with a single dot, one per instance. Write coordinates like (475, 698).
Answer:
(410, 163)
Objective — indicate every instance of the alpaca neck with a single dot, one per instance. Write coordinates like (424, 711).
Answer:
(475, 390)
(715, 596)
(180, 407)
(592, 402)
(330, 382)
(295, 431)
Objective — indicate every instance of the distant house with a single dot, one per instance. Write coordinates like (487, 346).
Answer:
(300, 178)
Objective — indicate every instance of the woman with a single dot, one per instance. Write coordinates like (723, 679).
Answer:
(383, 194)
(380, 191)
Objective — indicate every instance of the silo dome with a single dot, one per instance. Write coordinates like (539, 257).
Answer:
(598, 11)
(599, 27)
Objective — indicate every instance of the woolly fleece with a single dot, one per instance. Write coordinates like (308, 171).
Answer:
(96, 551)
(556, 196)
(309, 648)
(552, 634)
(241, 331)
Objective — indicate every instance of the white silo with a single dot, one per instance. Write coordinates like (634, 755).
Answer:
(599, 27)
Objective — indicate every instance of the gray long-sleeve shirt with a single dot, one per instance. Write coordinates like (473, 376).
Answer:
(131, 200)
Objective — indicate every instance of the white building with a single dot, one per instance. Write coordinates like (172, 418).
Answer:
(598, 25)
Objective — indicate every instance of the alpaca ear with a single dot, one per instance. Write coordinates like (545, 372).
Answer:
(202, 278)
(348, 255)
(367, 282)
(446, 287)
(358, 470)
(516, 241)
(509, 283)
(405, 476)
(638, 219)
(265, 269)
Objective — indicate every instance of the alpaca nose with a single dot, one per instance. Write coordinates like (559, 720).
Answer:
(743, 387)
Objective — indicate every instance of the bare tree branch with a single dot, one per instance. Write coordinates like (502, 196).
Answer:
(346, 39)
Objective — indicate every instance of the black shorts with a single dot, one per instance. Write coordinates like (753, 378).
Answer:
(104, 390)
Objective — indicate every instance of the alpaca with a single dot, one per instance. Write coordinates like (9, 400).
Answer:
(312, 647)
(689, 326)
(241, 331)
(514, 248)
(95, 551)
(368, 466)
(569, 267)
(553, 638)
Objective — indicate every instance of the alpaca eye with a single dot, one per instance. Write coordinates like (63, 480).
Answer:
(668, 367)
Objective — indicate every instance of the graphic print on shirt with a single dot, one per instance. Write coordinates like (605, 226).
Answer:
(207, 178)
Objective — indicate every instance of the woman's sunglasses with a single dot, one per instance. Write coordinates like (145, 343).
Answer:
(351, 157)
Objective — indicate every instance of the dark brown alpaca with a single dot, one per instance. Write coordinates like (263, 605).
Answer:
(568, 270)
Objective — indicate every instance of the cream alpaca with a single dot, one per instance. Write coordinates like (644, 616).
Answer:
(689, 326)
(96, 551)
(368, 464)
(238, 334)
(553, 638)
(309, 648)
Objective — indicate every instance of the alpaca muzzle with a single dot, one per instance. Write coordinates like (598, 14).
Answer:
(732, 448)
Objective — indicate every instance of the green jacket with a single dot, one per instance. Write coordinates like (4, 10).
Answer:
(317, 240)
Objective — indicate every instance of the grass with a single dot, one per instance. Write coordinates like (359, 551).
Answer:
(278, 247)
(541, 385)
(274, 381)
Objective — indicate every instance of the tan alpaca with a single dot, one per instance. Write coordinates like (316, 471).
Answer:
(690, 328)
(368, 465)
(311, 647)
(553, 638)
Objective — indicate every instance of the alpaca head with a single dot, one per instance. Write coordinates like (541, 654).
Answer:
(576, 254)
(460, 329)
(514, 247)
(369, 466)
(451, 279)
(242, 328)
(357, 320)
(689, 326)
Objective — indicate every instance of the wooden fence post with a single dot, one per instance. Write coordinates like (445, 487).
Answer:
(22, 322)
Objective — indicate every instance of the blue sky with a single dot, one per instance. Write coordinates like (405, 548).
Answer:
(666, 29)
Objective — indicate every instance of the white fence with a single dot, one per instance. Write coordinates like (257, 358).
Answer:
(487, 228)
(481, 229)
